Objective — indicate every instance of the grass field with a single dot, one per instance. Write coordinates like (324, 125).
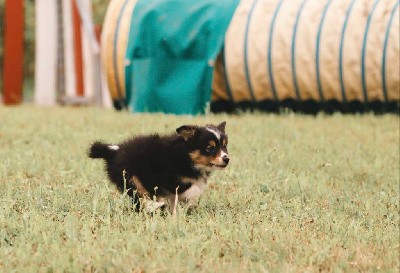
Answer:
(302, 194)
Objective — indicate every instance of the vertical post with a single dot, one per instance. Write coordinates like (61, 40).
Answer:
(13, 51)
(88, 54)
(91, 55)
(105, 97)
(77, 34)
(60, 52)
(46, 52)
(70, 81)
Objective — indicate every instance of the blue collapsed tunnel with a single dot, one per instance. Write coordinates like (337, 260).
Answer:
(186, 56)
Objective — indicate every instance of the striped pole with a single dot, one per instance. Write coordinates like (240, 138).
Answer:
(13, 51)
(78, 55)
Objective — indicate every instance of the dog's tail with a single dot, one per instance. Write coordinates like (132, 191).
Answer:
(102, 150)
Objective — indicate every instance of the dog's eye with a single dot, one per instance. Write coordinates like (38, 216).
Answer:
(210, 149)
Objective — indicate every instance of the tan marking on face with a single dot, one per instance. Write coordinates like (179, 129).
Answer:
(212, 143)
(140, 190)
(199, 159)
(217, 160)
(224, 142)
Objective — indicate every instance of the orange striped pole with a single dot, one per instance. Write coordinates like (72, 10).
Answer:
(13, 52)
(78, 55)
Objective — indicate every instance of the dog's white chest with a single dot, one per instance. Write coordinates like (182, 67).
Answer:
(194, 191)
(190, 196)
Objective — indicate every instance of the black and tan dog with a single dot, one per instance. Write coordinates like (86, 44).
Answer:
(161, 166)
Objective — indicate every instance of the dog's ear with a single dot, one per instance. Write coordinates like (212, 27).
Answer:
(221, 126)
(186, 131)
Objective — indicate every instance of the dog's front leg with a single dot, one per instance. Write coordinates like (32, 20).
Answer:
(192, 195)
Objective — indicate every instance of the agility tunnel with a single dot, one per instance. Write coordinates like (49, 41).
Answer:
(310, 55)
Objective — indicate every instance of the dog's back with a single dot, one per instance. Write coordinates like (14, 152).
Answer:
(153, 159)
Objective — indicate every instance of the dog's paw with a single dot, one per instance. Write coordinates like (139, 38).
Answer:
(152, 206)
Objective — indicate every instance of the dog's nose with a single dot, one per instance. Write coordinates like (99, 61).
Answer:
(225, 159)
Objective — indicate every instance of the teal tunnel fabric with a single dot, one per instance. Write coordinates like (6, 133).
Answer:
(171, 52)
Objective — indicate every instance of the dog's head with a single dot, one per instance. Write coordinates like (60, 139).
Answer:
(207, 145)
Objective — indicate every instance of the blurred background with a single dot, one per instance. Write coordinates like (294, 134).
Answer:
(192, 57)
(98, 7)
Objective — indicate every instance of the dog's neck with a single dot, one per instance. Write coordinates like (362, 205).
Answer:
(204, 172)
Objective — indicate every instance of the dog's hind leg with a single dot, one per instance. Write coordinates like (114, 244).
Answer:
(139, 188)
(149, 205)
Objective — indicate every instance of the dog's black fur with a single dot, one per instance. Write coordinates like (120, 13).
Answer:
(164, 164)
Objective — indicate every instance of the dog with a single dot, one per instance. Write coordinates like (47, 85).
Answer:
(163, 168)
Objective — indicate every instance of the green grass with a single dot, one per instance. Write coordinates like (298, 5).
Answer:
(302, 194)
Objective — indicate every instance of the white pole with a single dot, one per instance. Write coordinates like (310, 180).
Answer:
(46, 52)
(95, 86)
(85, 10)
(70, 79)
(106, 100)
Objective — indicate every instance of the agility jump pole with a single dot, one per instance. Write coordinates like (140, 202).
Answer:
(46, 52)
(13, 52)
(81, 51)
(78, 55)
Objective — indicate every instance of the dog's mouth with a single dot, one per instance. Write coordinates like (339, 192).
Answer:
(218, 166)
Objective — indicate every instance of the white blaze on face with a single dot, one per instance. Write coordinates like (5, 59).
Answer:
(223, 154)
(218, 136)
(216, 133)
